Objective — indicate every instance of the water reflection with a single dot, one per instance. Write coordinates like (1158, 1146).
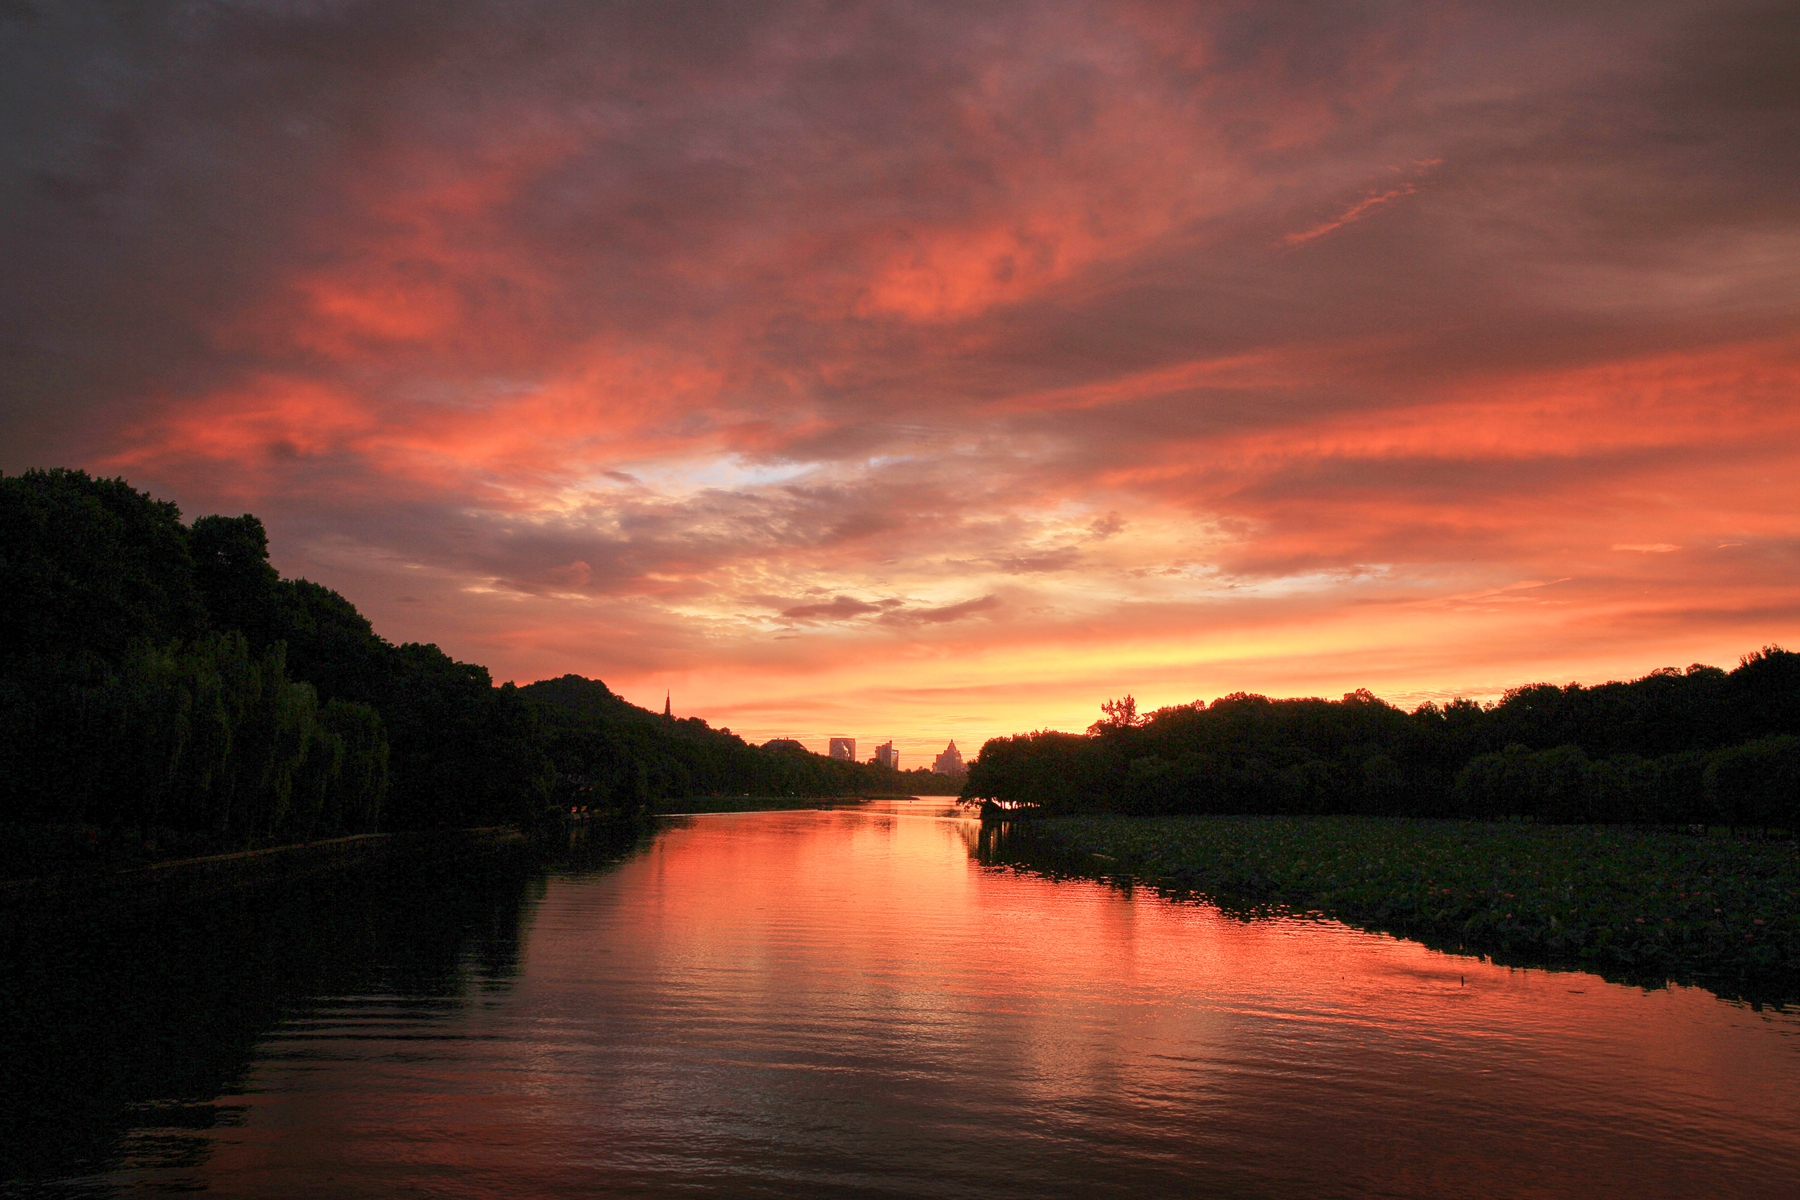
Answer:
(120, 1035)
(846, 1003)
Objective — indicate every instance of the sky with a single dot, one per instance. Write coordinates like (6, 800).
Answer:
(931, 370)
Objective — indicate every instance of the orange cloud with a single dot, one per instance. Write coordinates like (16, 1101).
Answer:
(266, 420)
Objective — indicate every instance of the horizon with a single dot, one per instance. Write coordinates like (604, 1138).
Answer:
(925, 750)
(940, 373)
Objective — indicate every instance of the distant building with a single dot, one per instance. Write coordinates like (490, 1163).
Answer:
(843, 749)
(887, 756)
(949, 762)
(785, 745)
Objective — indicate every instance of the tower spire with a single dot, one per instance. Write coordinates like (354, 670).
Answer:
(667, 714)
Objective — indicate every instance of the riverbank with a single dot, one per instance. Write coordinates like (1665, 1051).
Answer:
(112, 895)
(702, 805)
(1630, 902)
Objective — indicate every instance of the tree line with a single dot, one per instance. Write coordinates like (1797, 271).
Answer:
(1694, 746)
(162, 678)
(614, 753)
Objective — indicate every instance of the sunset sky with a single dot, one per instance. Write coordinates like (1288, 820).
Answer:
(920, 370)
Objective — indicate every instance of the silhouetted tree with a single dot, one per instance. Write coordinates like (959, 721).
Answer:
(1677, 746)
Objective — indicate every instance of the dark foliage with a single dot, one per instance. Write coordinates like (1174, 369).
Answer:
(611, 753)
(231, 567)
(88, 567)
(143, 689)
(1700, 746)
(163, 683)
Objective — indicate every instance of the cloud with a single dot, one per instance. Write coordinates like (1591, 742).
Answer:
(1060, 559)
(838, 609)
(1111, 525)
(726, 345)
(943, 614)
(1360, 208)
(890, 611)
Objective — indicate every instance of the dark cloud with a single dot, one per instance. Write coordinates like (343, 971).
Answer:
(837, 609)
(890, 611)
(943, 613)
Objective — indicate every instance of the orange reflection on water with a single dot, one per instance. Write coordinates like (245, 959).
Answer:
(845, 1002)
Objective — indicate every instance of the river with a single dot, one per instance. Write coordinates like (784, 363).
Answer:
(845, 1003)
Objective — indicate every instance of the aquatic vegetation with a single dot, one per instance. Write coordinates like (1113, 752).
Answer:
(1643, 902)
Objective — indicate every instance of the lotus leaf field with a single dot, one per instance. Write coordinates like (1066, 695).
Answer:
(1646, 904)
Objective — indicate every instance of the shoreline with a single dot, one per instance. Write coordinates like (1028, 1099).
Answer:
(712, 806)
(701, 806)
(85, 894)
(1646, 907)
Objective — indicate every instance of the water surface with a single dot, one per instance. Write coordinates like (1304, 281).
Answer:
(844, 1003)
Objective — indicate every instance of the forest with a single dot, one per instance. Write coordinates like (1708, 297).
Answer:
(1700, 746)
(162, 684)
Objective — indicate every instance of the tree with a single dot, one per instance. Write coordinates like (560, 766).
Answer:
(232, 570)
(1757, 783)
(90, 567)
(1120, 714)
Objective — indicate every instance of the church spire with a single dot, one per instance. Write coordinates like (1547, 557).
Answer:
(667, 714)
